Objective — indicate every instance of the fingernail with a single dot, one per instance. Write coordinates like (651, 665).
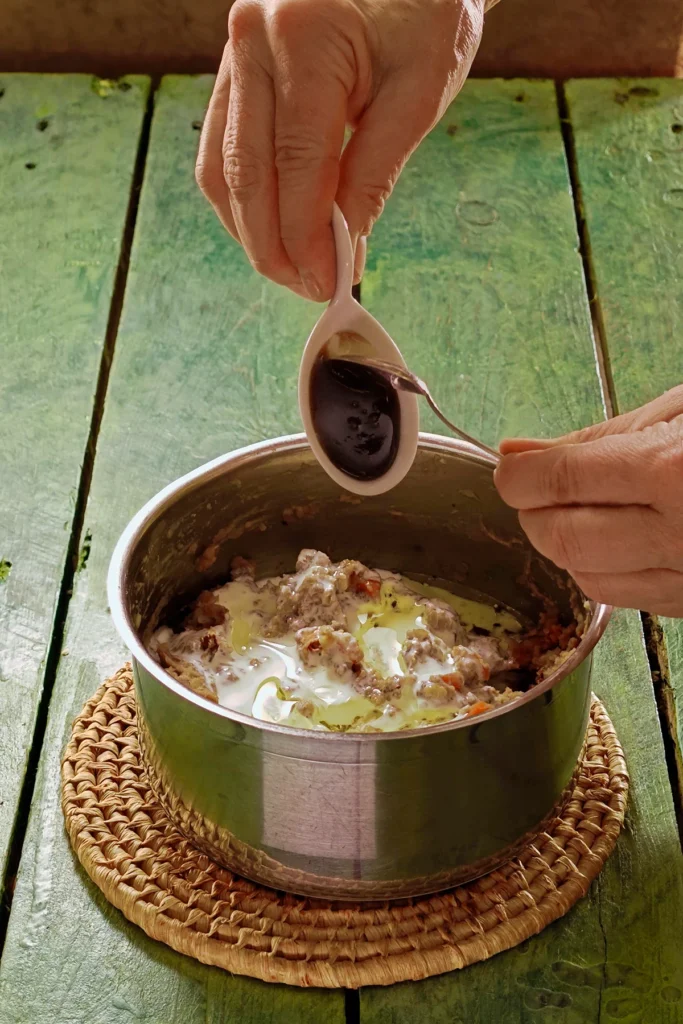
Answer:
(360, 257)
(311, 285)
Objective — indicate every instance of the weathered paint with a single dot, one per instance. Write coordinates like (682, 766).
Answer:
(66, 166)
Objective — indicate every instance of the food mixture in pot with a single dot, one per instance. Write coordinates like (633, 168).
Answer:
(338, 646)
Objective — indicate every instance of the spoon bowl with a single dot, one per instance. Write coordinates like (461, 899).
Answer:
(346, 331)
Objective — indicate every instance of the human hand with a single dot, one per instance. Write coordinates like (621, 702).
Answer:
(606, 503)
(294, 74)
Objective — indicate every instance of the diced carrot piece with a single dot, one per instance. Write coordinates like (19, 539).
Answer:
(453, 679)
(371, 587)
(479, 708)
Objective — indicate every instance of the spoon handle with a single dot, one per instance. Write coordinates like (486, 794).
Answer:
(342, 241)
(456, 430)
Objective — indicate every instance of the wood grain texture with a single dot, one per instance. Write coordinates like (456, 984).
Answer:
(67, 152)
(206, 360)
(492, 311)
(629, 147)
(629, 144)
(474, 268)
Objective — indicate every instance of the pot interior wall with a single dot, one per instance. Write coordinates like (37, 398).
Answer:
(445, 520)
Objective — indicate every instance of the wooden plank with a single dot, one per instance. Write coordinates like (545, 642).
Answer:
(629, 144)
(474, 269)
(631, 132)
(206, 360)
(67, 152)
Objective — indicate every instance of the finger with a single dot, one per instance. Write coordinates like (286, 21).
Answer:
(249, 151)
(618, 425)
(608, 471)
(663, 409)
(605, 428)
(659, 591)
(209, 166)
(311, 96)
(308, 144)
(387, 133)
(620, 539)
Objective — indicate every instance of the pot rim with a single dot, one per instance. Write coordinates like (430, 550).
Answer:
(600, 613)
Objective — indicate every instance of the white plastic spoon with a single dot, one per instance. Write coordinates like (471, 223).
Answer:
(343, 331)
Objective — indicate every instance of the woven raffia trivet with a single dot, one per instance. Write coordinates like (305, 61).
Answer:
(176, 894)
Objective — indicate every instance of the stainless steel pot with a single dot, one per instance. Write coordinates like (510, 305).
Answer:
(348, 816)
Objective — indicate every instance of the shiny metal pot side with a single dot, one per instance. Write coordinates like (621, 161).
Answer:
(348, 815)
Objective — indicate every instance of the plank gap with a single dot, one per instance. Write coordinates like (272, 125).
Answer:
(352, 1005)
(599, 334)
(655, 644)
(74, 554)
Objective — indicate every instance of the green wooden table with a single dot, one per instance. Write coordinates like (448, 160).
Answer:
(529, 265)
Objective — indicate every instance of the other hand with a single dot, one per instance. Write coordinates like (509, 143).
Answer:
(606, 503)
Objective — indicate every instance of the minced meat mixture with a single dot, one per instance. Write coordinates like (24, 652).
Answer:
(339, 646)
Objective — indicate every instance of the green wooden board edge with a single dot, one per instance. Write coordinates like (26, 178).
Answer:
(629, 147)
(67, 153)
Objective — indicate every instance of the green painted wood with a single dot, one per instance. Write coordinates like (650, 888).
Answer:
(206, 360)
(629, 144)
(474, 269)
(67, 152)
(512, 286)
(631, 133)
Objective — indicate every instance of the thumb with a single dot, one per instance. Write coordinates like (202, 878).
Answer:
(388, 132)
(662, 410)
(515, 445)
(625, 424)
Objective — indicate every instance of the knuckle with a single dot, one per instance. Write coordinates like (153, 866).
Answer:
(284, 15)
(372, 198)
(243, 172)
(244, 19)
(562, 477)
(203, 176)
(565, 544)
(288, 17)
(298, 153)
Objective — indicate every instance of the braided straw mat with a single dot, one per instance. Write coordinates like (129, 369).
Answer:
(177, 894)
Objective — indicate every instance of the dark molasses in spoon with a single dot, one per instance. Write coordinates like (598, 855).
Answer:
(356, 417)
